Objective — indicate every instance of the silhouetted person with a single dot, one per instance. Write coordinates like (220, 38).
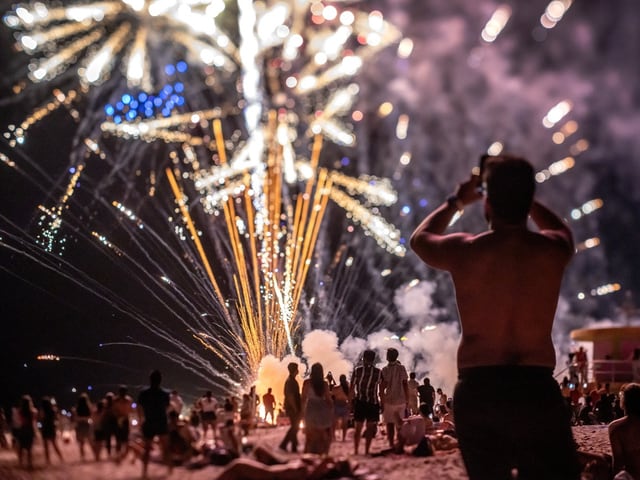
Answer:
(269, 403)
(509, 409)
(82, 413)
(153, 404)
(122, 408)
(427, 394)
(292, 407)
(26, 431)
(49, 428)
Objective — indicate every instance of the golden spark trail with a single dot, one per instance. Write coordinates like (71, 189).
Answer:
(194, 234)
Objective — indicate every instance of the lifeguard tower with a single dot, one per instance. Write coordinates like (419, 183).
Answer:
(616, 353)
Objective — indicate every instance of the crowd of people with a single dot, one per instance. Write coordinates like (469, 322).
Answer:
(510, 413)
(415, 417)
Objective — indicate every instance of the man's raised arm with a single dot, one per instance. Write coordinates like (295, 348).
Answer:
(551, 224)
(427, 241)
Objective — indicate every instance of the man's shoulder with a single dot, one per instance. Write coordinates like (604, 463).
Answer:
(619, 424)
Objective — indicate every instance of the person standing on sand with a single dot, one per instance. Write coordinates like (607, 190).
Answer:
(269, 404)
(624, 435)
(427, 394)
(317, 408)
(122, 408)
(509, 410)
(364, 393)
(48, 422)
(412, 385)
(293, 408)
(154, 404)
(395, 394)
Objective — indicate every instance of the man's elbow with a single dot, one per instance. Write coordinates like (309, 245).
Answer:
(414, 241)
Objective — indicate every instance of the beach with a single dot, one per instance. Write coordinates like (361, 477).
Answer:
(445, 464)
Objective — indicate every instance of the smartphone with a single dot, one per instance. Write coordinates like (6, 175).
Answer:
(481, 163)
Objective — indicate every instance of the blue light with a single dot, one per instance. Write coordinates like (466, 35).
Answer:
(134, 104)
(169, 105)
(157, 102)
(126, 99)
(170, 70)
(167, 90)
(120, 106)
(117, 119)
(180, 101)
(166, 112)
(148, 104)
(131, 114)
(179, 87)
(423, 202)
(181, 66)
(148, 113)
(406, 210)
(142, 96)
(72, 170)
(345, 161)
(108, 109)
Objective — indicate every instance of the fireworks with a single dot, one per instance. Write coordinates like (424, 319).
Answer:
(268, 200)
(231, 97)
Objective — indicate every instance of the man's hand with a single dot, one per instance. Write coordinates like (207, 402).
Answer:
(469, 191)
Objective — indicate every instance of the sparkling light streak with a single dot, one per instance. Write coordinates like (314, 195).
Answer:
(496, 23)
(587, 208)
(601, 290)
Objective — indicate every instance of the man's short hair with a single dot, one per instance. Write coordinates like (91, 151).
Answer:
(155, 378)
(631, 399)
(293, 367)
(510, 186)
(368, 356)
(392, 354)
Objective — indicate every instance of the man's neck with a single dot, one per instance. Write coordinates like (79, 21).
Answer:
(498, 224)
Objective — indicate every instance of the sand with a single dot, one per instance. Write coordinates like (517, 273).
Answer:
(443, 465)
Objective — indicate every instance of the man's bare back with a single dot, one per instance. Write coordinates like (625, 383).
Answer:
(511, 328)
(507, 282)
(624, 433)
(625, 444)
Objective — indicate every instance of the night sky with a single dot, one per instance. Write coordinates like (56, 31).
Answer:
(460, 93)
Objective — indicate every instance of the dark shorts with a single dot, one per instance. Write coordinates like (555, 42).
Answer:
(365, 411)
(122, 430)
(151, 429)
(208, 417)
(514, 417)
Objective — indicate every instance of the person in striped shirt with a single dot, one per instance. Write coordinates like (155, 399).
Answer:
(364, 393)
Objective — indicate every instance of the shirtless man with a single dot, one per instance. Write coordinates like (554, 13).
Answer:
(509, 410)
(624, 434)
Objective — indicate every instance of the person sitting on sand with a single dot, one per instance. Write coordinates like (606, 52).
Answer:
(414, 428)
(182, 444)
(624, 435)
(268, 465)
